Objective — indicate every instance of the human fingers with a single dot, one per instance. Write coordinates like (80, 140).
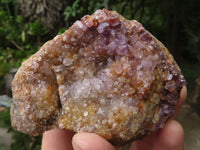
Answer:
(145, 144)
(171, 137)
(90, 141)
(182, 98)
(57, 139)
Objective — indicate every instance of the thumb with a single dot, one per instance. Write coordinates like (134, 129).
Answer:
(90, 141)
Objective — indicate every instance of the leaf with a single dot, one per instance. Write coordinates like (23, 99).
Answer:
(37, 29)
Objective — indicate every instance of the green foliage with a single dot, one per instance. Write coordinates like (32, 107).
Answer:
(27, 143)
(73, 11)
(36, 29)
(61, 30)
(18, 41)
(18, 37)
(79, 8)
(5, 118)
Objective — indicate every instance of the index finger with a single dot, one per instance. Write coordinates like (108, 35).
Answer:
(57, 139)
(182, 99)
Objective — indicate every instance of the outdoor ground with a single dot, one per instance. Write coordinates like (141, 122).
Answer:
(5, 139)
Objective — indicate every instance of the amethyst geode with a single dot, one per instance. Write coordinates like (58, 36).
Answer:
(105, 75)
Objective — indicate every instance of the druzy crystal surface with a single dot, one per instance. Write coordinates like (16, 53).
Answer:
(105, 75)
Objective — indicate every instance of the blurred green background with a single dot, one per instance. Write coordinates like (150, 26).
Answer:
(27, 24)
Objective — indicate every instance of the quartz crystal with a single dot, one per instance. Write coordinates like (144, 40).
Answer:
(105, 75)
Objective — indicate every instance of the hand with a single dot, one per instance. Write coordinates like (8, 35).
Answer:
(171, 137)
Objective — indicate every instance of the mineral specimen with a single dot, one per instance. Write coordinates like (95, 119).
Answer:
(105, 75)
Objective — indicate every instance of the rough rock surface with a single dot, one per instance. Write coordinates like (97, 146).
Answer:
(105, 74)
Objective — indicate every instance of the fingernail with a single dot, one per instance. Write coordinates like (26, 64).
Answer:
(75, 146)
(75, 143)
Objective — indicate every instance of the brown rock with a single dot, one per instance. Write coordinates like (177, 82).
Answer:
(105, 75)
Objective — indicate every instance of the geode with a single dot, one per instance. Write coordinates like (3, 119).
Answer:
(105, 75)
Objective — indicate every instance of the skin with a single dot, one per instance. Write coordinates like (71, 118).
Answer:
(171, 137)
